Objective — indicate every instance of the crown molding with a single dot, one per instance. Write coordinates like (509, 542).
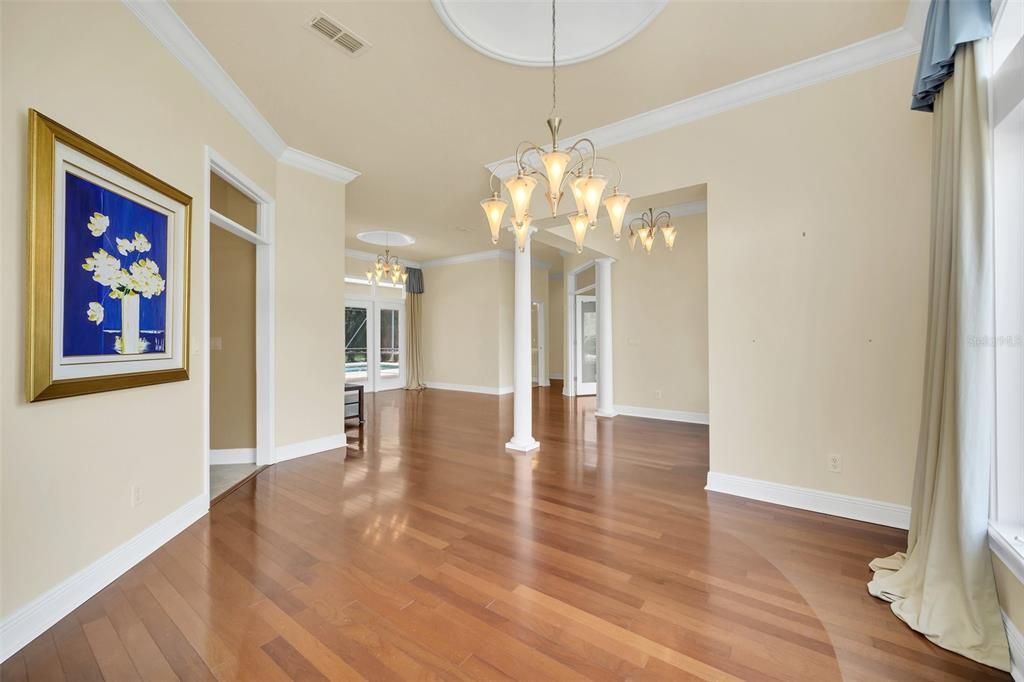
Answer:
(490, 254)
(165, 24)
(844, 61)
(372, 258)
(317, 166)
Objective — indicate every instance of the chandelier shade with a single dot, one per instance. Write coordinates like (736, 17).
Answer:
(520, 188)
(494, 208)
(579, 224)
(555, 164)
(616, 206)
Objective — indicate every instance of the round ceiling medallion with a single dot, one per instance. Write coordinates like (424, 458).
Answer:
(386, 238)
(519, 31)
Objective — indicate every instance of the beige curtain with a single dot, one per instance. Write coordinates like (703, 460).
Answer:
(414, 308)
(943, 586)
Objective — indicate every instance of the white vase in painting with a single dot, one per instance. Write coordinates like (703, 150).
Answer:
(130, 325)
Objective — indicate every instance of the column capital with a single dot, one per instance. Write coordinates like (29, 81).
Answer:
(605, 259)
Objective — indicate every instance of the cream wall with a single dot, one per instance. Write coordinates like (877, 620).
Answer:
(556, 325)
(462, 304)
(64, 487)
(817, 277)
(233, 326)
(61, 485)
(310, 310)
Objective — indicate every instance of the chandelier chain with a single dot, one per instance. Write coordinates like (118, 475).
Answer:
(554, 70)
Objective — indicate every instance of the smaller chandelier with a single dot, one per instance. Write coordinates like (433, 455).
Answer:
(644, 228)
(386, 267)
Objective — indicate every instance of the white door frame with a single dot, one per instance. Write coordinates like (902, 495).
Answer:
(582, 388)
(373, 307)
(263, 238)
(569, 321)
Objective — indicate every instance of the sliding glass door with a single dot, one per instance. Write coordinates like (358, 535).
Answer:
(375, 344)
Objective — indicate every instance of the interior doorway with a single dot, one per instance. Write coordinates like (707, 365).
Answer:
(239, 320)
(375, 344)
(586, 345)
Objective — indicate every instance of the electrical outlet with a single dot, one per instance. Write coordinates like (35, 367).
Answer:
(835, 464)
(136, 496)
(657, 394)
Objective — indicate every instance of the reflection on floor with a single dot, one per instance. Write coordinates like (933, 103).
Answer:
(224, 476)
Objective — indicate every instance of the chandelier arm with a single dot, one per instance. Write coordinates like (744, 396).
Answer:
(494, 175)
(618, 171)
(664, 214)
(521, 153)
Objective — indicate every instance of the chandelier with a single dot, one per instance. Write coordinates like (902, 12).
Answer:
(644, 228)
(556, 167)
(386, 267)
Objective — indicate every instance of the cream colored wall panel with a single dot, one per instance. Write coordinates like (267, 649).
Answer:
(817, 277)
(68, 465)
(460, 324)
(310, 338)
(232, 341)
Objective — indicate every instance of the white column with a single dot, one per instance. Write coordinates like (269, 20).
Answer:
(522, 415)
(605, 391)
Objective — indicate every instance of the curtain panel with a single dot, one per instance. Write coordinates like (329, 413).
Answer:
(943, 585)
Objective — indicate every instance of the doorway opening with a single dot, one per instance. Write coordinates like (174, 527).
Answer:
(375, 336)
(239, 321)
(581, 331)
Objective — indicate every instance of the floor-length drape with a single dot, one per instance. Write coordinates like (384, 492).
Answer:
(943, 585)
(414, 308)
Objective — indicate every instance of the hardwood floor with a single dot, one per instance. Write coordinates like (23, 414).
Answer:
(437, 555)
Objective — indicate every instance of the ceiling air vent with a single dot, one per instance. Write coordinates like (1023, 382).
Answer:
(338, 34)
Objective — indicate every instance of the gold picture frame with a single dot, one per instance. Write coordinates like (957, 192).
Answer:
(65, 356)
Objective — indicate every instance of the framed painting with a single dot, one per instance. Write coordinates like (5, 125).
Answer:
(108, 269)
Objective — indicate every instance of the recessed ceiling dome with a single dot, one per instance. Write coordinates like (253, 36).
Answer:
(519, 31)
(386, 238)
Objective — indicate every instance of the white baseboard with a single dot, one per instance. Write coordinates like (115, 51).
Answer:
(489, 390)
(310, 447)
(1016, 640)
(31, 620)
(667, 415)
(846, 506)
(233, 456)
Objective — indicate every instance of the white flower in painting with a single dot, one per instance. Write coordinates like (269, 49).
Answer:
(95, 313)
(124, 246)
(141, 244)
(98, 224)
(119, 345)
(105, 268)
(144, 278)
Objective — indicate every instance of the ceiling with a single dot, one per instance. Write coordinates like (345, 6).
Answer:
(421, 112)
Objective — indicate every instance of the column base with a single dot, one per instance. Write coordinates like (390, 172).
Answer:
(522, 445)
(606, 413)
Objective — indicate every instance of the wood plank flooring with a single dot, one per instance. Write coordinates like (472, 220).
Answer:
(430, 553)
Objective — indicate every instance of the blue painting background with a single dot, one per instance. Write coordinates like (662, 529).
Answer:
(81, 336)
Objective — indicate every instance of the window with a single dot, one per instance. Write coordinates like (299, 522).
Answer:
(1007, 112)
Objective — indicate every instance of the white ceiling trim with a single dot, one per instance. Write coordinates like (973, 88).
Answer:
(164, 23)
(372, 258)
(317, 166)
(490, 254)
(844, 61)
